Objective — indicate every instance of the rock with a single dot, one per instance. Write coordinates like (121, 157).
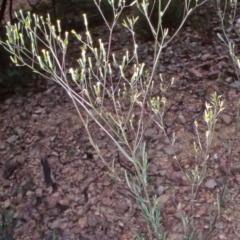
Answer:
(64, 225)
(83, 209)
(35, 215)
(66, 170)
(19, 197)
(23, 115)
(94, 200)
(6, 184)
(2, 145)
(213, 75)
(181, 119)
(58, 222)
(168, 150)
(51, 202)
(32, 223)
(106, 201)
(237, 25)
(38, 192)
(7, 203)
(20, 132)
(9, 168)
(64, 202)
(36, 235)
(8, 101)
(78, 176)
(153, 169)
(87, 182)
(226, 118)
(211, 183)
(40, 110)
(175, 236)
(231, 73)
(12, 139)
(106, 183)
(162, 199)
(160, 190)
(121, 208)
(83, 222)
(176, 177)
(28, 185)
(205, 57)
(20, 228)
(150, 133)
(35, 116)
(196, 75)
(92, 221)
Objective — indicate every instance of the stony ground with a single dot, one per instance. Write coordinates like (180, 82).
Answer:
(88, 203)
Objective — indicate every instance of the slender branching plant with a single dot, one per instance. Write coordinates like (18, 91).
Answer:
(120, 102)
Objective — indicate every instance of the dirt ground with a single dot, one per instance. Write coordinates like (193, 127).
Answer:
(88, 203)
